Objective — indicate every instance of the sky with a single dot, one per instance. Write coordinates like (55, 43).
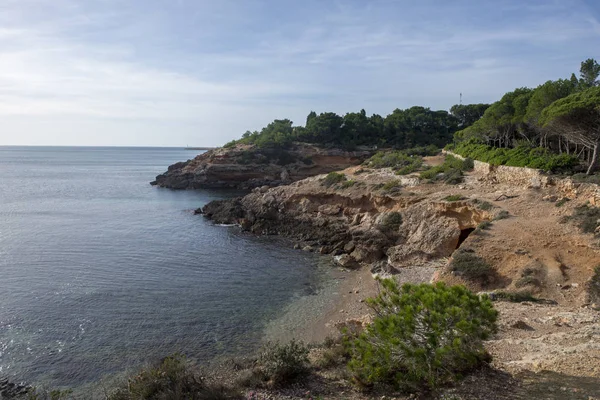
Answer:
(202, 72)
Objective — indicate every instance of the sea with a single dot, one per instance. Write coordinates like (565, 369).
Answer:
(101, 273)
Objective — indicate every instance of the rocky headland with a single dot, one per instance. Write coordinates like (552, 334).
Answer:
(539, 265)
(246, 166)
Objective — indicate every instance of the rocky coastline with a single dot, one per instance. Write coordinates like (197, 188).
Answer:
(363, 224)
(248, 166)
(375, 222)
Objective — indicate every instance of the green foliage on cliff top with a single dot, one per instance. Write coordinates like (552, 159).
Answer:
(402, 129)
(422, 337)
(556, 118)
(520, 156)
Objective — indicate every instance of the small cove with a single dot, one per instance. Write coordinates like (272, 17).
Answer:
(103, 273)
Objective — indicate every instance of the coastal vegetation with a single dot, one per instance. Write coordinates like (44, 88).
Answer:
(283, 363)
(173, 378)
(402, 129)
(451, 171)
(554, 127)
(468, 265)
(520, 156)
(423, 336)
(334, 178)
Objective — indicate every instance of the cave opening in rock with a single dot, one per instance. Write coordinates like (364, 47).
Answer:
(464, 234)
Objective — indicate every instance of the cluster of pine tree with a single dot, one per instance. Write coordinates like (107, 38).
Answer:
(558, 117)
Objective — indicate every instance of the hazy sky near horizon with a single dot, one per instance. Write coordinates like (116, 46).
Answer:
(200, 72)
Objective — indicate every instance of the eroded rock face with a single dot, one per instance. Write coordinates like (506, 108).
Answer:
(354, 225)
(247, 167)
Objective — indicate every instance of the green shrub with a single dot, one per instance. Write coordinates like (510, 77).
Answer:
(399, 161)
(284, 363)
(450, 172)
(454, 197)
(391, 221)
(230, 144)
(516, 297)
(423, 336)
(484, 205)
(520, 156)
(172, 379)
(333, 178)
(562, 202)
(333, 356)
(468, 265)
(468, 164)
(392, 186)
(422, 151)
(431, 173)
(347, 184)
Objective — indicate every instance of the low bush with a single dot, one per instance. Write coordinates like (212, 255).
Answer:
(468, 265)
(516, 297)
(333, 178)
(422, 337)
(483, 205)
(333, 356)
(172, 379)
(391, 221)
(392, 187)
(284, 363)
(347, 184)
(422, 151)
(399, 161)
(586, 218)
(521, 156)
(450, 172)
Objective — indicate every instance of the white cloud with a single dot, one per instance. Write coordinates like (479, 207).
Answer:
(124, 75)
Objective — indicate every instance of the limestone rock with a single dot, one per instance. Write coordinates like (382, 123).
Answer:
(248, 167)
(346, 261)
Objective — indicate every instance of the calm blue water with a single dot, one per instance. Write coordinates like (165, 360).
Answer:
(100, 272)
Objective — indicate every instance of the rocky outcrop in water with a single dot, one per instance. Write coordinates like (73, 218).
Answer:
(247, 167)
(11, 390)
